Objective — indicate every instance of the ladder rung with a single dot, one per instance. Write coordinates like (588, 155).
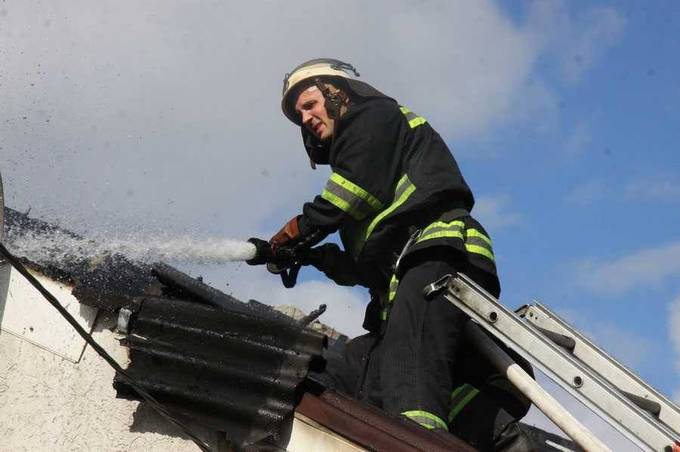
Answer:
(567, 342)
(559, 339)
(617, 375)
(650, 406)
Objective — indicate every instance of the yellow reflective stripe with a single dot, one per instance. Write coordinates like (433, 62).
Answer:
(480, 250)
(441, 235)
(427, 420)
(441, 224)
(479, 243)
(469, 392)
(336, 201)
(410, 188)
(383, 315)
(475, 233)
(401, 185)
(356, 190)
(440, 229)
(394, 283)
(455, 393)
(413, 119)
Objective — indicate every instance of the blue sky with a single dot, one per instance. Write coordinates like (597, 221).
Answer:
(597, 189)
(164, 117)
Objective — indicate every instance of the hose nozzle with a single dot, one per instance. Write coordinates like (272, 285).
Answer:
(263, 252)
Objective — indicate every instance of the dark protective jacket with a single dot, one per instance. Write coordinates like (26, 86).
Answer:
(392, 174)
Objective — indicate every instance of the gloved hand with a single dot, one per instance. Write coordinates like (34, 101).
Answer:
(334, 263)
(287, 236)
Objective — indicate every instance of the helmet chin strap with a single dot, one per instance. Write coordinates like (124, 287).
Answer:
(334, 100)
(333, 103)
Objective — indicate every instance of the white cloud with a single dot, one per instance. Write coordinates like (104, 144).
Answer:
(495, 212)
(576, 41)
(587, 193)
(646, 189)
(647, 267)
(165, 114)
(598, 30)
(653, 189)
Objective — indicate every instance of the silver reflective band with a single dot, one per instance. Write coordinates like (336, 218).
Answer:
(413, 119)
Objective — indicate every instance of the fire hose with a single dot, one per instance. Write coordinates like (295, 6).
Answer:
(284, 261)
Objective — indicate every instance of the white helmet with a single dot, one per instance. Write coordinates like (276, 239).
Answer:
(315, 72)
(307, 74)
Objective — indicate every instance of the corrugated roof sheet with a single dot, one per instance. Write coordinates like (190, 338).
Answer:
(235, 371)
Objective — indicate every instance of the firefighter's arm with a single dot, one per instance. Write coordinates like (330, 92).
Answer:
(336, 264)
(364, 167)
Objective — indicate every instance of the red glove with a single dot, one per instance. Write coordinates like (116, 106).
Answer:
(288, 234)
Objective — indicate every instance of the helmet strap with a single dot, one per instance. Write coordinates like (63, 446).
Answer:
(334, 100)
(333, 103)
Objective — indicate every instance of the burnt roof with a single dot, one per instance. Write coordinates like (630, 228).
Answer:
(234, 371)
(237, 367)
(231, 365)
(104, 280)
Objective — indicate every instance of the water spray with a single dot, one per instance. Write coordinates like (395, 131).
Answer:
(50, 246)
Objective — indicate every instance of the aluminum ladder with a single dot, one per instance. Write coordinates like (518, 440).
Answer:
(615, 393)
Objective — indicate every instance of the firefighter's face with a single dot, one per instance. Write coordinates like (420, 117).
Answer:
(310, 106)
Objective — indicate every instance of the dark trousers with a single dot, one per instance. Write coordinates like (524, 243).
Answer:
(415, 368)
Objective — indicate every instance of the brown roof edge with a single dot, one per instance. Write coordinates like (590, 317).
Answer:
(371, 427)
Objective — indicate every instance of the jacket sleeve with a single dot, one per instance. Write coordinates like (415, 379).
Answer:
(336, 264)
(364, 165)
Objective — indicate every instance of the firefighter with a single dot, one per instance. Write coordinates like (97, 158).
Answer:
(402, 208)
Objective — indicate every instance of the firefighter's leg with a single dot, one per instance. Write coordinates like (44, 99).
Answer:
(485, 406)
(418, 349)
(345, 371)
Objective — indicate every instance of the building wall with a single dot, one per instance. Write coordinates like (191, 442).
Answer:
(50, 403)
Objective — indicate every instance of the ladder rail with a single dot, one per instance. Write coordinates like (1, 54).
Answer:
(605, 365)
(526, 384)
(566, 371)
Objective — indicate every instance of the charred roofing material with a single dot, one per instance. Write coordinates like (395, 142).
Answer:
(181, 285)
(107, 281)
(234, 371)
(230, 365)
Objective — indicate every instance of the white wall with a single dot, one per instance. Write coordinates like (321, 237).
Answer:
(50, 403)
